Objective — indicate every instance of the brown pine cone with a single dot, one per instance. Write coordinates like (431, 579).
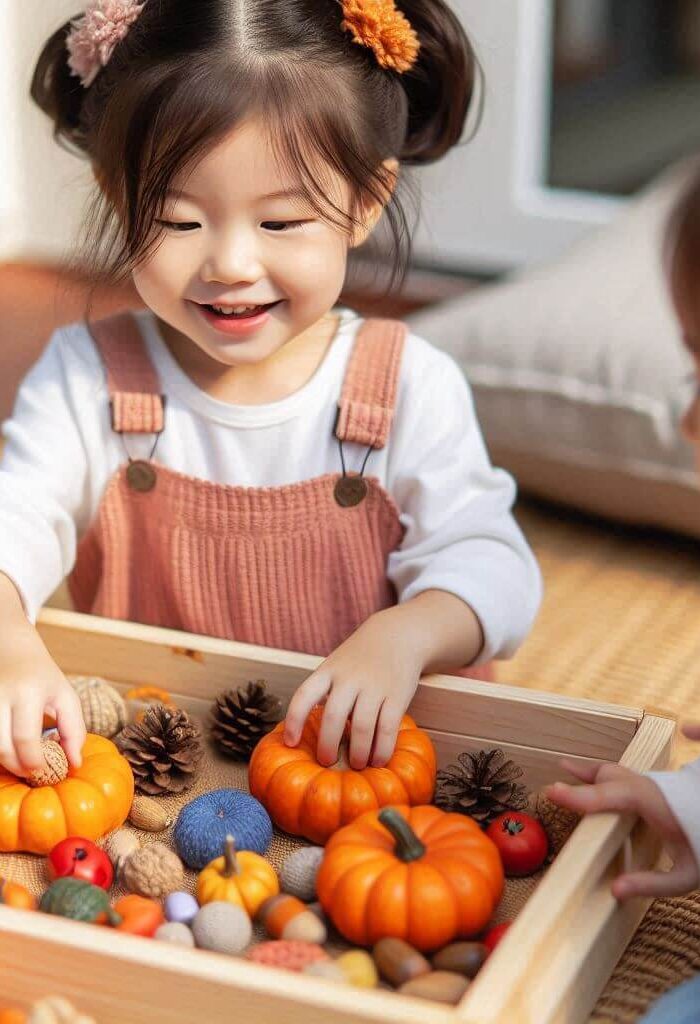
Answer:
(240, 718)
(482, 785)
(164, 750)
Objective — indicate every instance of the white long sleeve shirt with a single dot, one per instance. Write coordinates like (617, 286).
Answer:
(682, 792)
(455, 507)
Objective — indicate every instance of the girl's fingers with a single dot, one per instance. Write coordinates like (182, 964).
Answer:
(582, 770)
(8, 757)
(27, 722)
(335, 715)
(387, 730)
(362, 727)
(310, 693)
(71, 726)
(691, 730)
(676, 882)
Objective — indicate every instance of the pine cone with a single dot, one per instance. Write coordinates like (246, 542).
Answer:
(164, 750)
(240, 718)
(482, 785)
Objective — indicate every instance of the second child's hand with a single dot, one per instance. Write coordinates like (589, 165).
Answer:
(610, 787)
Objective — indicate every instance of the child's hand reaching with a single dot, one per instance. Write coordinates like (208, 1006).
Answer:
(610, 787)
(372, 677)
(30, 685)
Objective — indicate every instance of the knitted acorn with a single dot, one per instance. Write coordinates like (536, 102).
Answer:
(291, 956)
(286, 917)
(148, 815)
(55, 769)
(153, 871)
(104, 709)
(222, 928)
(204, 823)
(298, 874)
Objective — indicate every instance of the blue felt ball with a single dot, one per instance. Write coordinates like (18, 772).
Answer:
(203, 824)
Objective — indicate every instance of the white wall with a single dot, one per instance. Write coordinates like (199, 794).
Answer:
(42, 189)
(485, 204)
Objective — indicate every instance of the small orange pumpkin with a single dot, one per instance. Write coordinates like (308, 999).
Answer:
(90, 802)
(14, 895)
(306, 799)
(412, 873)
(10, 1015)
(245, 879)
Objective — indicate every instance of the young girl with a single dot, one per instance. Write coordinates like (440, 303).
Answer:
(245, 460)
(668, 801)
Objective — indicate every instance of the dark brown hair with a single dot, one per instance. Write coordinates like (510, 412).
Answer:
(683, 257)
(189, 71)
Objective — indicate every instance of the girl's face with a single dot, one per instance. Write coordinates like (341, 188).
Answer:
(237, 235)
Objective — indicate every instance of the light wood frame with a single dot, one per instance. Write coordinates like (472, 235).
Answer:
(549, 968)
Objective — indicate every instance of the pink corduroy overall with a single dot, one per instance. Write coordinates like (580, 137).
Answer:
(297, 567)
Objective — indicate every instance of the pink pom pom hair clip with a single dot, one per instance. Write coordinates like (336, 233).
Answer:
(94, 37)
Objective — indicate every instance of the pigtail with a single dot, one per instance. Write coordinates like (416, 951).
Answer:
(441, 86)
(58, 93)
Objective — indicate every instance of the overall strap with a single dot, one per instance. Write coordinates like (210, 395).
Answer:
(138, 407)
(368, 400)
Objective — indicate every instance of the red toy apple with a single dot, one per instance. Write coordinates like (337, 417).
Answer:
(79, 858)
(494, 935)
(521, 841)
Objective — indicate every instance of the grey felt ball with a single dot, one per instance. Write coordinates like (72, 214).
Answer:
(222, 928)
(298, 874)
(175, 932)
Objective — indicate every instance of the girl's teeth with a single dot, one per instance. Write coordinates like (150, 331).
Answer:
(228, 310)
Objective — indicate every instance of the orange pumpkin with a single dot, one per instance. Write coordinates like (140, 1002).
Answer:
(10, 1015)
(416, 874)
(245, 879)
(91, 801)
(306, 799)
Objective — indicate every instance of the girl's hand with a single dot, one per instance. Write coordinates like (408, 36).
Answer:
(371, 678)
(30, 685)
(610, 787)
(27, 691)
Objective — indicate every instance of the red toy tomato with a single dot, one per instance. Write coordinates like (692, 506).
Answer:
(79, 858)
(494, 935)
(521, 841)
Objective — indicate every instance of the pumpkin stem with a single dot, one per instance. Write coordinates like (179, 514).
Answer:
(408, 845)
(231, 865)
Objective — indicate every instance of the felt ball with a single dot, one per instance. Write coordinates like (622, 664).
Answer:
(176, 933)
(204, 823)
(291, 955)
(298, 874)
(222, 928)
(180, 907)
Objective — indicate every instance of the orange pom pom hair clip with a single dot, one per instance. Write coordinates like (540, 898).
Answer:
(380, 26)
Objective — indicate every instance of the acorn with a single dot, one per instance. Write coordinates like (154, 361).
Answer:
(438, 986)
(119, 846)
(153, 871)
(148, 815)
(465, 958)
(286, 917)
(397, 962)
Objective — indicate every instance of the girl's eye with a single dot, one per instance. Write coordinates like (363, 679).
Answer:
(281, 226)
(181, 226)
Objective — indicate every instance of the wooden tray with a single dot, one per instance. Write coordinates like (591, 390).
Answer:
(551, 966)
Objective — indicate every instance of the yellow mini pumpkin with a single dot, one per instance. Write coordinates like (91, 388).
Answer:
(92, 801)
(245, 879)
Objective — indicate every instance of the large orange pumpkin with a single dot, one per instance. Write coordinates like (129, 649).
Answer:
(306, 799)
(92, 801)
(413, 873)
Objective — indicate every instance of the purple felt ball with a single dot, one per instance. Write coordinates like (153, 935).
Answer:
(181, 907)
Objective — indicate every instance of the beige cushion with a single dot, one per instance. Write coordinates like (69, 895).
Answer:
(579, 374)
